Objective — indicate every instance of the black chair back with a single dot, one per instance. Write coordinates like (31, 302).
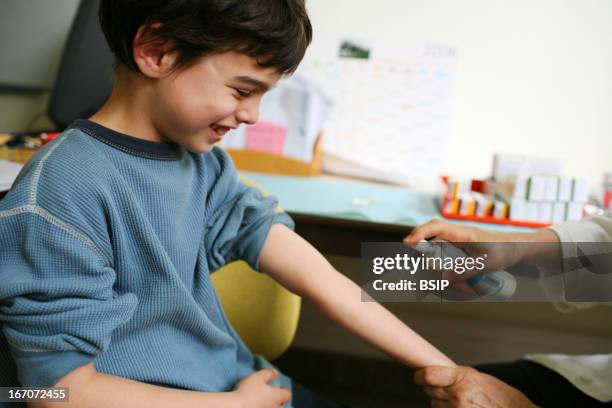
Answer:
(85, 76)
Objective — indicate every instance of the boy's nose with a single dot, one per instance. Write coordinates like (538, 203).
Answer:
(248, 117)
(248, 114)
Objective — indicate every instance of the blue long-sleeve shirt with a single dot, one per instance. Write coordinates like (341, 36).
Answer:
(107, 243)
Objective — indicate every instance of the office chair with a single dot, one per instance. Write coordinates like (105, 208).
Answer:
(262, 312)
(85, 77)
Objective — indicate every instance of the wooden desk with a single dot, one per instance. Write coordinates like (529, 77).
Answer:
(14, 154)
(339, 236)
(330, 235)
(343, 236)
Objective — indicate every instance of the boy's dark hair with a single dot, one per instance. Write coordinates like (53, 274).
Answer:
(274, 32)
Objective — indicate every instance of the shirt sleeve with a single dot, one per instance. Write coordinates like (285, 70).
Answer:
(239, 218)
(58, 307)
(592, 229)
(586, 275)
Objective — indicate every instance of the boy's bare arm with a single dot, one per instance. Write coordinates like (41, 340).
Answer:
(91, 389)
(295, 264)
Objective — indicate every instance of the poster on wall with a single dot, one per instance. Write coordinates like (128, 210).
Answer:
(392, 106)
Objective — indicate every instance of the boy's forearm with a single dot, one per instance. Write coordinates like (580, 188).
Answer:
(299, 267)
(91, 389)
(371, 321)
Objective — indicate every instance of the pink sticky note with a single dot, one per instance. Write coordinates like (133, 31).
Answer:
(266, 137)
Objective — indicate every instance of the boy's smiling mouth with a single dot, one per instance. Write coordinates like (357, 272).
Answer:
(218, 131)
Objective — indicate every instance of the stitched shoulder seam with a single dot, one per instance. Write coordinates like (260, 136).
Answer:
(38, 170)
(44, 214)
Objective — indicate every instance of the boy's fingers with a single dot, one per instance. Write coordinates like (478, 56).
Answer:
(272, 374)
(436, 376)
(284, 395)
(265, 375)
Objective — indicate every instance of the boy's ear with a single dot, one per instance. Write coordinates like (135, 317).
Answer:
(152, 53)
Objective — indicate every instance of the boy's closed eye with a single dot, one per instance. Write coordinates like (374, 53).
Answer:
(243, 93)
(246, 86)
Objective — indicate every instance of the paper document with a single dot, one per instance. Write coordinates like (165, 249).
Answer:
(8, 173)
(393, 103)
(291, 117)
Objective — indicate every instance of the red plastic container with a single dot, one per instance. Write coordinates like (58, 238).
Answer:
(47, 137)
(487, 219)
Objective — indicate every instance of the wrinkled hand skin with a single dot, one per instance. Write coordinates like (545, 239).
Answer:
(465, 387)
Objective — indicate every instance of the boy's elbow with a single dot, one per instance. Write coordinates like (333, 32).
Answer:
(48, 404)
(75, 382)
(42, 404)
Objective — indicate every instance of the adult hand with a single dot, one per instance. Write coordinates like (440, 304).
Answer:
(463, 387)
(539, 248)
(501, 249)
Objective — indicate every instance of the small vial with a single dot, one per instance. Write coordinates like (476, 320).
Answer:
(498, 285)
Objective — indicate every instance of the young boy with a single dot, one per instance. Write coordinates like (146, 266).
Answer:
(110, 233)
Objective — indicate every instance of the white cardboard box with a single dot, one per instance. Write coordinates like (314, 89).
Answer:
(518, 209)
(574, 211)
(559, 210)
(545, 213)
(564, 192)
(537, 186)
(580, 191)
(532, 211)
(550, 188)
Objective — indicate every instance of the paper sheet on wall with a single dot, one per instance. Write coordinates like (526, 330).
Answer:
(291, 117)
(8, 173)
(393, 104)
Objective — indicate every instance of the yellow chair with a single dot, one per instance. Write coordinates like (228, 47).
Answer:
(264, 314)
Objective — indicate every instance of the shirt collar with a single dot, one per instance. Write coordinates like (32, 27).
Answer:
(129, 144)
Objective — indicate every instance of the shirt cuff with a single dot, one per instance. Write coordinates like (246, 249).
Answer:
(574, 287)
(46, 368)
(258, 239)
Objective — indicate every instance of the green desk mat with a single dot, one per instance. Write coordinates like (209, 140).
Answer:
(356, 200)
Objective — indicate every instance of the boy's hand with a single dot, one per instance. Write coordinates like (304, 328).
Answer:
(463, 387)
(255, 392)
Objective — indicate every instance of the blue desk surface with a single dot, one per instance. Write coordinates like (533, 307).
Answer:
(355, 200)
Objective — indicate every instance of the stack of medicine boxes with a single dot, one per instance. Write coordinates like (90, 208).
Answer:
(548, 199)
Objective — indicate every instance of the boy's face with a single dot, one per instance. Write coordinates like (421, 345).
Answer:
(195, 106)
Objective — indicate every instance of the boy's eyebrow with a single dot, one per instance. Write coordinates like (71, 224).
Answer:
(252, 81)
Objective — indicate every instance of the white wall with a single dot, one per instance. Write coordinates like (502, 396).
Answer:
(18, 111)
(533, 76)
(32, 37)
